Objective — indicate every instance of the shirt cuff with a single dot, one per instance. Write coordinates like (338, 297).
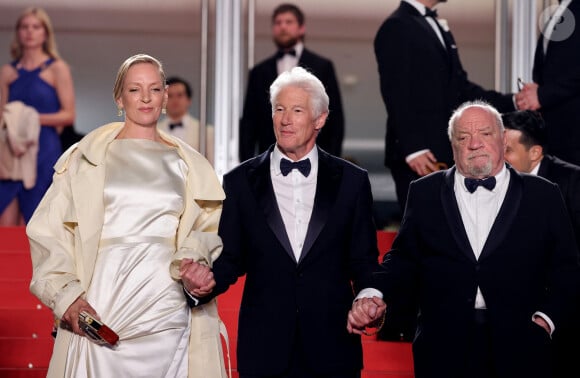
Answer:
(369, 292)
(194, 299)
(547, 319)
(415, 154)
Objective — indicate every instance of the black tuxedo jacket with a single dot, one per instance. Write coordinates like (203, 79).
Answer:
(282, 295)
(558, 76)
(529, 263)
(421, 84)
(567, 176)
(256, 129)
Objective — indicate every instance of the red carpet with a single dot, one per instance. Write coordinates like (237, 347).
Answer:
(25, 324)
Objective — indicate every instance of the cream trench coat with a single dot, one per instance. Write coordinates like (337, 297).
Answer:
(65, 230)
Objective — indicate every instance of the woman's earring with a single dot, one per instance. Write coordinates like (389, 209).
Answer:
(120, 112)
(163, 111)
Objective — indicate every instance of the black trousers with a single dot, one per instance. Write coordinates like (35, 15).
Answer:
(299, 367)
(480, 362)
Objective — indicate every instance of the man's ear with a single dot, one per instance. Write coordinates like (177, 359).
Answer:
(320, 121)
(536, 152)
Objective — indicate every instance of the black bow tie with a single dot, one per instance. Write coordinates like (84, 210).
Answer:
(280, 53)
(174, 125)
(431, 12)
(472, 184)
(303, 166)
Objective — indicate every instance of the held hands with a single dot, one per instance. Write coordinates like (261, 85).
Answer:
(70, 319)
(365, 312)
(197, 278)
(527, 98)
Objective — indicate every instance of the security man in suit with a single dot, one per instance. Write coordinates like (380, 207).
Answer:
(525, 151)
(555, 92)
(256, 134)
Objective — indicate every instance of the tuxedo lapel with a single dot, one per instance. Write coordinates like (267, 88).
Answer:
(451, 210)
(271, 70)
(506, 215)
(259, 177)
(328, 182)
(544, 170)
(422, 24)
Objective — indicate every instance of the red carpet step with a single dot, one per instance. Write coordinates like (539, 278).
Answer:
(25, 324)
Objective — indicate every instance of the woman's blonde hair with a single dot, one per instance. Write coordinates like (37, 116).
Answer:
(131, 61)
(49, 45)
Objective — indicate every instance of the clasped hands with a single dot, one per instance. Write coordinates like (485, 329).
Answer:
(197, 278)
(527, 97)
(365, 312)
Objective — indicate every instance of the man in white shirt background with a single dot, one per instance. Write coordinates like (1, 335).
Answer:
(179, 122)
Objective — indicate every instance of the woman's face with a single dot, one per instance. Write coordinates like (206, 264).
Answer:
(31, 32)
(143, 95)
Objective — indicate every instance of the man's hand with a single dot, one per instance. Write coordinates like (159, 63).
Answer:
(71, 316)
(364, 313)
(424, 164)
(527, 98)
(197, 278)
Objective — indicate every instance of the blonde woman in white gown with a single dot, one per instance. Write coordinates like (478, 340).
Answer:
(128, 207)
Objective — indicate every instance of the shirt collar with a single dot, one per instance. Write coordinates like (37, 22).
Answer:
(536, 168)
(277, 155)
(299, 48)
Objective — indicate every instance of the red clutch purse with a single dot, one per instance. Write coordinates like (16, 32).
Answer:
(96, 330)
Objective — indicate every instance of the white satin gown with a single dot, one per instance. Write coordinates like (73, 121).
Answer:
(131, 288)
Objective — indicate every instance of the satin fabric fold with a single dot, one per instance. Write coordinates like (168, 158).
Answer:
(131, 289)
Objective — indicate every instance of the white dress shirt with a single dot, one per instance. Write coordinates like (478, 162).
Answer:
(478, 211)
(295, 197)
(287, 62)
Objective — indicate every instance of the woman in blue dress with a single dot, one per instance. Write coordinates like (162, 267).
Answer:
(39, 78)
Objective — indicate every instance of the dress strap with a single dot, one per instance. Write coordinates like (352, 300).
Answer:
(46, 63)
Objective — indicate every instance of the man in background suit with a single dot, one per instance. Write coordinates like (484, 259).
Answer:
(422, 81)
(179, 122)
(490, 256)
(256, 133)
(555, 91)
(525, 151)
(297, 222)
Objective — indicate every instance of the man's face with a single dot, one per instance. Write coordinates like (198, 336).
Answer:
(177, 103)
(516, 154)
(478, 144)
(295, 126)
(286, 31)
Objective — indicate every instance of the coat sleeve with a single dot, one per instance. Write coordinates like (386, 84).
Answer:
(51, 233)
(202, 244)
